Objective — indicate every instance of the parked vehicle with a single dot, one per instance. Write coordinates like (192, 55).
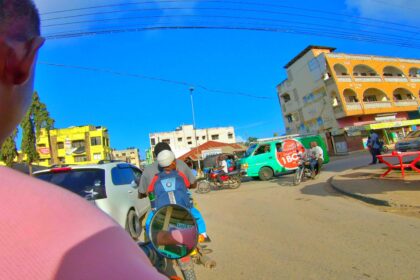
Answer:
(303, 171)
(276, 156)
(113, 187)
(213, 178)
(410, 143)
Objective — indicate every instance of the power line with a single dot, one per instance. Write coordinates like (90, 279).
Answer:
(236, 3)
(144, 77)
(301, 31)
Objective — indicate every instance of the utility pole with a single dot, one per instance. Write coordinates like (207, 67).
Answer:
(194, 127)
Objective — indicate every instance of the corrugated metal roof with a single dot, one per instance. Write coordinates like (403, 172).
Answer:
(195, 153)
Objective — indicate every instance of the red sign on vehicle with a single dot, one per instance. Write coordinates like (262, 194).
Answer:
(288, 157)
(44, 151)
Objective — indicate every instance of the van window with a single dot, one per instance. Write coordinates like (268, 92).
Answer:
(250, 150)
(279, 147)
(262, 150)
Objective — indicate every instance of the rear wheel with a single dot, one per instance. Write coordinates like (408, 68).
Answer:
(235, 182)
(132, 225)
(187, 269)
(203, 186)
(265, 173)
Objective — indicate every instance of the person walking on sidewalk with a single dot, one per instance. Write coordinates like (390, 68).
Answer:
(374, 146)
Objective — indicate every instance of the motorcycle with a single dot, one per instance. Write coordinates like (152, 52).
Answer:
(304, 170)
(173, 242)
(231, 180)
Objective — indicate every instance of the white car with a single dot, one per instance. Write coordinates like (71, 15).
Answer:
(112, 186)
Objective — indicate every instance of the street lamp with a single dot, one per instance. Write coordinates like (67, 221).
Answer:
(194, 127)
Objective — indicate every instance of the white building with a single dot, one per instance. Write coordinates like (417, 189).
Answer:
(184, 138)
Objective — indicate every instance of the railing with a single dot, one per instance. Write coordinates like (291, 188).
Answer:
(377, 104)
(404, 103)
(368, 79)
(353, 106)
(344, 79)
(395, 79)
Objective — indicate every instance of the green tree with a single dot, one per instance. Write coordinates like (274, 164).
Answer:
(251, 140)
(8, 150)
(275, 134)
(29, 140)
(41, 119)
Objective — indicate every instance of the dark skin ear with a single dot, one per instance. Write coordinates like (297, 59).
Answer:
(18, 59)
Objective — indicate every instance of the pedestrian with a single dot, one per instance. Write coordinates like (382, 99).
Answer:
(67, 234)
(316, 158)
(374, 146)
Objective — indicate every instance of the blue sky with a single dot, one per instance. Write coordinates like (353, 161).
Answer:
(229, 60)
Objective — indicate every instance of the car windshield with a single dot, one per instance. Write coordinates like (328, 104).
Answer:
(414, 134)
(250, 150)
(77, 181)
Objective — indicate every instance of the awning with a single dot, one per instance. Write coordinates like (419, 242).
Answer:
(382, 125)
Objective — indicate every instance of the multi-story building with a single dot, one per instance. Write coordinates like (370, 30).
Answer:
(74, 145)
(346, 95)
(185, 137)
(129, 155)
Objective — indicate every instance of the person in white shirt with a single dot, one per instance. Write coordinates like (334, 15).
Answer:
(316, 158)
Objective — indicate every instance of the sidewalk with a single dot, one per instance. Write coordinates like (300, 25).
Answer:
(394, 191)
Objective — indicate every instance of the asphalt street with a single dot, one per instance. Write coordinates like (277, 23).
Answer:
(274, 230)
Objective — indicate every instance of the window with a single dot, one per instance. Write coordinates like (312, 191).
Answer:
(80, 158)
(353, 99)
(62, 160)
(289, 118)
(78, 181)
(230, 135)
(123, 154)
(137, 175)
(215, 137)
(60, 145)
(189, 138)
(95, 141)
(262, 150)
(204, 137)
(197, 138)
(189, 142)
(180, 139)
(153, 141)
(97, 156)
(167, 141)
(41, 146)
(78, 143)
(370, 98)
(122, 176)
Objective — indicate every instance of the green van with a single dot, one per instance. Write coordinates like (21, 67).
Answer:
(270, 157)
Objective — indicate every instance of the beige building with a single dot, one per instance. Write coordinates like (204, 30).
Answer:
(130, 155)
(184, 138)
(345, 95)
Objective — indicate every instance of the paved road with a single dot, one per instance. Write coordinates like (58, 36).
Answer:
(273, 230)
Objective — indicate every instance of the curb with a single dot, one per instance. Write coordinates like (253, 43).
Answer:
(367, 199)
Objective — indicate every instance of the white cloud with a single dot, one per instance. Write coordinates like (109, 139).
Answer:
(391, 10)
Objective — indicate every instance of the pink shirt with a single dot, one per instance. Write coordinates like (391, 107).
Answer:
(47, 232)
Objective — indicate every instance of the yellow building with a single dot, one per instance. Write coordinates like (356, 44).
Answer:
(74, 145)
(345, 95)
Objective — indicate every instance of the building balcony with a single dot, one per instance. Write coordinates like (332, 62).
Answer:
(396, 79)
(354, 106)
(406, 103)
(368, 79)
(377, 104)
(344, 79)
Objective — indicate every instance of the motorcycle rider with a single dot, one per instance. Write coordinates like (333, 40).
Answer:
(316, 158)
(47, 232)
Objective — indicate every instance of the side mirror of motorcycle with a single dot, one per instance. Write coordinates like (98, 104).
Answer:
(173, 232)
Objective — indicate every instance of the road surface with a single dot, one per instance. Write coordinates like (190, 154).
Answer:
(273, 230)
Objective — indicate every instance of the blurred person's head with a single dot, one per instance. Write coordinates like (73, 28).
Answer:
(166, 160)
(314, 144)
(19, 44)
(161, 146)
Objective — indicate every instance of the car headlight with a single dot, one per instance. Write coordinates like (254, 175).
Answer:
(245, 166)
